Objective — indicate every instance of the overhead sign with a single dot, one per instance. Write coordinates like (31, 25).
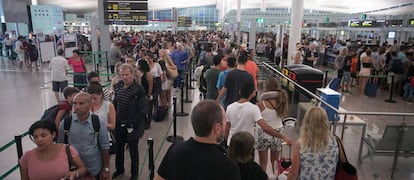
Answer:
(126, 12)
(353, 23)
(184, 21)
(366, 23)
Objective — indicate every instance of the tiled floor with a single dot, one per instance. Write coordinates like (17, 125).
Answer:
(24, 96)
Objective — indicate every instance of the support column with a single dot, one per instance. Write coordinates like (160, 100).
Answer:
(238, 20)
(104, 38)
(263, 6)
(296, 18)
(252, 33)
(94, 32)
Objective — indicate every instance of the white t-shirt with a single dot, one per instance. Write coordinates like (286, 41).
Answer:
(19, 46)
(59, 66)
(156, 71)
(242, 117)
(103, 111)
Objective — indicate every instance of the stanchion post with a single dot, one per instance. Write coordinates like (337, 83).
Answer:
(174, 137)
(151, 157)
(182, 113)
(188, 79)
(107, 65)
(19, 146)
(186, 91)
(326, 78)
(391, 91)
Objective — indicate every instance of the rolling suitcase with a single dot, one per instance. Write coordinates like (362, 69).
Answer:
(160, 113)
(371, 87)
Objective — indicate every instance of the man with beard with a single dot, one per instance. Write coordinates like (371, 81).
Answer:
(201, 157)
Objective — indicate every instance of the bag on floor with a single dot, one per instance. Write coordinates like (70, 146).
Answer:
(159, 114)
(371, 88)
(335, 84)
(284, 163)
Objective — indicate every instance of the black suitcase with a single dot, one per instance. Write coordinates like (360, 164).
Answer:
(159, 114)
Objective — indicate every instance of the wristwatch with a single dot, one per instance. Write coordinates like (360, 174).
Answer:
(106, 169)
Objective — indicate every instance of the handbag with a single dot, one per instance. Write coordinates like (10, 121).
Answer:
(72, 165)
(344, 169)
(172, 72)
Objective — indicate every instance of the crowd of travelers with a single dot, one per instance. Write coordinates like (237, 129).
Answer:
(230, 124)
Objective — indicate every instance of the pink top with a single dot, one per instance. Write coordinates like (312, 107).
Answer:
(76, 65)
(57, 168)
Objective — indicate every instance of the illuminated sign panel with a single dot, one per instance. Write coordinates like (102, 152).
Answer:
(366, 23)
(353, 23)
(411, 22)
(184, 21)
(125, 12)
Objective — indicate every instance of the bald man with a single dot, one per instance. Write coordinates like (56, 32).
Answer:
(93, 148)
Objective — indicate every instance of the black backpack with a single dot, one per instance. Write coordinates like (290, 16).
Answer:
(68, 121)
(397, 66)
(50, 113)
(203, 81)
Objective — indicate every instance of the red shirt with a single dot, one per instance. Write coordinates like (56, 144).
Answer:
(77, 66)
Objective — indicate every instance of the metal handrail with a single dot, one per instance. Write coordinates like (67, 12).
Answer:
(330, 106)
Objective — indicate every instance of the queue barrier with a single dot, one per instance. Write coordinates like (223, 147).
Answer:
(18, 141)
(391, 118)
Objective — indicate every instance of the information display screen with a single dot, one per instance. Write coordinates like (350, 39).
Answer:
(391, 34)
(125, 12)
(354, 23)
(184, 21)
(366, 23)
(411, 22)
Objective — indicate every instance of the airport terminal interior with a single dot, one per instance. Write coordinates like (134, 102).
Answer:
(372, 113)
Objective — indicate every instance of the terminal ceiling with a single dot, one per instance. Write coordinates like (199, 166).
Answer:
(390, 7)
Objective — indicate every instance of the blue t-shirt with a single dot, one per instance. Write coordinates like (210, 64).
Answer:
(179, 57)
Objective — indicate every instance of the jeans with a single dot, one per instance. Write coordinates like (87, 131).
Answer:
(121, 136)
(321, 58)
(408, 90)
(177, 81)
(79, 80)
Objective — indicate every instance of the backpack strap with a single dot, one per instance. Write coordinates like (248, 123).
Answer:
(96, 126)
(66, 126)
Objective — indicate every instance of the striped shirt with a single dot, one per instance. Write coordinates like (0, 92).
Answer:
(123, 96)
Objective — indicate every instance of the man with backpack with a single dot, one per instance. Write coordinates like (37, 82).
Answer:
(83, 131)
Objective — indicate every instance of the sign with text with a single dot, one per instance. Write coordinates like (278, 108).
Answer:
(353, 23)
(123, 12)
(184, 21)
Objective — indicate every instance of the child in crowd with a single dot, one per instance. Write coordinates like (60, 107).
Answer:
(241, 150)
(65, 107)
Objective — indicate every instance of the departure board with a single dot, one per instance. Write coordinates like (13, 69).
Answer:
(184, 21)
(125, 12)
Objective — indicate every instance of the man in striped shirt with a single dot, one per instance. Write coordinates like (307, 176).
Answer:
(131, 104)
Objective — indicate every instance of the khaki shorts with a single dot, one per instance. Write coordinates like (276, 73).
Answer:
(397, 77)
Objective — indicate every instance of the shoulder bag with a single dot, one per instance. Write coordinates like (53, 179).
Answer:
(344, 169)
(171, 71)
(72, 165)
